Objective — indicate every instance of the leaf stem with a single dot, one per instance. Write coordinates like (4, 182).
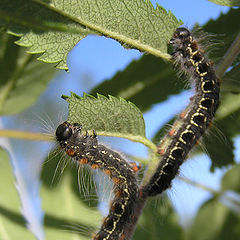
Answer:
(25, 135)
(133, 138)
(229, 57)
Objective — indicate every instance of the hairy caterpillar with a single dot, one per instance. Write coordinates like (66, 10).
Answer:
(197, 116)
(84, 148)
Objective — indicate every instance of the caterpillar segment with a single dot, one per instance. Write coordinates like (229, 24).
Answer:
(84, 149)
(194, 120)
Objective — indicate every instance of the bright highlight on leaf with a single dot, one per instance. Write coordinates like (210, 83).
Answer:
(54, 29)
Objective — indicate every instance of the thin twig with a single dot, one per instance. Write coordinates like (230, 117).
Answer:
(25, 135)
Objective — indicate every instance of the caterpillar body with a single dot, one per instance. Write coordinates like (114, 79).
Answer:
(84, 148)
(194, 120)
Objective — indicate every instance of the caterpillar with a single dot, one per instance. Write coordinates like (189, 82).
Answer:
(84, 149)
(194, 120)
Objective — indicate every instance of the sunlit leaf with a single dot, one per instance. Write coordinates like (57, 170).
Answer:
(107, 114)
(135, 24)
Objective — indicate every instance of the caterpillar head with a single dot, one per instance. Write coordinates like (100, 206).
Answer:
(180, 37)
(71, 138)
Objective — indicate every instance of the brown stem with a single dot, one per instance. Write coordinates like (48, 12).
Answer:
(229, 57)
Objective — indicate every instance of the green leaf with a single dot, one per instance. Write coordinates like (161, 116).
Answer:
(22, 77)
(144, 82)
(12, 222)
(136, 24)
(68, 215)
(109, 117)
(215, 221)
(158, 221)
(106, 114)
(231, 179)
(33, 22)
(229, 3)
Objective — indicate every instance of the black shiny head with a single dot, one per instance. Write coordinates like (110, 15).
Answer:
(63, 132)
(180, 35)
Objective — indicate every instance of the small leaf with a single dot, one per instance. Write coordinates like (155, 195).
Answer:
(113, 115)
(215, 221)
(135, 24)
(13, 225)
(22, 77)
(231, 179)
(229, 3)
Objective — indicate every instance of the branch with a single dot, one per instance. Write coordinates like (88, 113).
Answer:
(25, 135)
(229, 57)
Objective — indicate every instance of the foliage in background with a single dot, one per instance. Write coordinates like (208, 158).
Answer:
(52, 33)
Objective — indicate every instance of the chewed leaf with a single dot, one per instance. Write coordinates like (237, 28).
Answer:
(54, 29)
(108, 115)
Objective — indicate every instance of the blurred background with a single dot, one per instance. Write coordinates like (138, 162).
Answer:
(93, 60)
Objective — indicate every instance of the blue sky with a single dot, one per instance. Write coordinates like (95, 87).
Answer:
(99, 58)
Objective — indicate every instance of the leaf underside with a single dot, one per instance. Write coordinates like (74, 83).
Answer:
(135, 24)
